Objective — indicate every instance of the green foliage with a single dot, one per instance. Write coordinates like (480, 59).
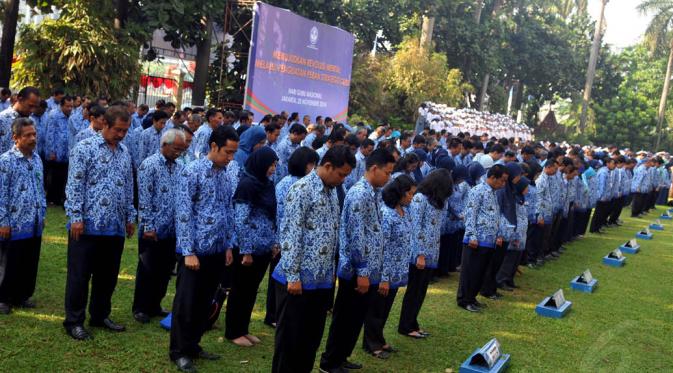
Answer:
(79, 52)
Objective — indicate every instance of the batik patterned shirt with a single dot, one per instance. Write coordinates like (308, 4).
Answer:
(427, 220)
(157, 192)
(57, 140)
(482, 214)
(397, 232)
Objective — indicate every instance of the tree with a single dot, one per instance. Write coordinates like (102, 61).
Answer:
(78, 52)
(658, 34)
(10, 19)
(591, 70)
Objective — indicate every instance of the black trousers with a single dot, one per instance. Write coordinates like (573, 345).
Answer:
(638, 204)
(547, 231)
(556, 226)
(348, 317)
(534, 243)
(21, 259)
(455, 249)
(616, 210)
(508, 268)
(653, 199)
(419, 279)
(92, 259)
(243, 294)
(156, 261)
(58, 175)
(600, 214)
(444, 255)
(191, 305)
(582, 221)
(375, 321)
(473, 269)
(299, 329)
(270, 316)
(490, 284)
(561, 233)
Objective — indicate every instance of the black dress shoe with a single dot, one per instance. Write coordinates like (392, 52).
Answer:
(164, 313)
(5, 309)
(109, 325)
(208, 356)
(141, 317)
(351, 366)
(79, 333)
(471, 308)
(480, 305)
(495, 296)
(505, 287)
(185, 364)
(27, 304)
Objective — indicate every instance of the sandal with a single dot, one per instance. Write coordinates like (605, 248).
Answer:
(390, 349)
(415, 335)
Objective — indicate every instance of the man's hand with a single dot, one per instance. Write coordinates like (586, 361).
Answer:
(540, 221)
(52, 157)
(149, 236)
(130, 229)
(275, 250)
(473, 244)
(76, 230)
(384, 287)
(294, 288)
(247, 260)
(229, 257)
(420, 262)
(363, 285)
(192, 262)
(498, 241)
(5, 232)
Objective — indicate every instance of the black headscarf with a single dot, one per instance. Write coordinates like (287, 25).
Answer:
(255, 187)
(507, 195)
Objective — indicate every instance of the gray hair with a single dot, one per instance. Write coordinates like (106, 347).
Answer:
(196, 118)
(19, 124)
(169, 136)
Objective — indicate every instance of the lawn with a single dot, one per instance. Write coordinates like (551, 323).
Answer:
(625, 326)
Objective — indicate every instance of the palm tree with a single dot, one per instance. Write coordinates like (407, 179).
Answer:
(658, 34)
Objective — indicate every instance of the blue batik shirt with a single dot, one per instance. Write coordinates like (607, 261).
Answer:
(397, 232)
(482, 214)
(309, 234)
(57, 136)
(358, 172)
(158, 179)
(7, 117)
(639, 179)
(558, 192)
(603, 184)
(204, 214)
(76, 123)
(282, 188)
(41, 129)
(284, 150)
(149, 142)
(545, 198)
(360, 234)
(99, 191)
(131, 140)
(530, 201)
(255, 231)
(85, 134)
(200, 146)
(428, 221)
(22, 199)
(455, 219)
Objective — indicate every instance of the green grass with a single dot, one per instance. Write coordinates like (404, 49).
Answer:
(625, 326)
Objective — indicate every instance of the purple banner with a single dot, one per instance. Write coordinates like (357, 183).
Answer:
(297, 65)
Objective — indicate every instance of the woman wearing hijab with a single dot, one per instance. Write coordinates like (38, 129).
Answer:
(443, 269)
(475, 173)
(517, 243)
(534, 234)
(407, 165)
(255, 209)
(251, 140)
(507, 225)
(423, 167)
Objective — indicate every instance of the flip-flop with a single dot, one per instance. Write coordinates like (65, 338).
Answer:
(390, 349)
(423, 333)
(418, 336)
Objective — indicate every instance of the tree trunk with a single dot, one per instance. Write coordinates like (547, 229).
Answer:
(426, 33)
(477, 11)
(7, 43)
(591, 70)
(122, 14)
(201, 69)
(484, 90)
(664, 96)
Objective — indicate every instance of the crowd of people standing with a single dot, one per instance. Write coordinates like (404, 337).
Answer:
(313, 203)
